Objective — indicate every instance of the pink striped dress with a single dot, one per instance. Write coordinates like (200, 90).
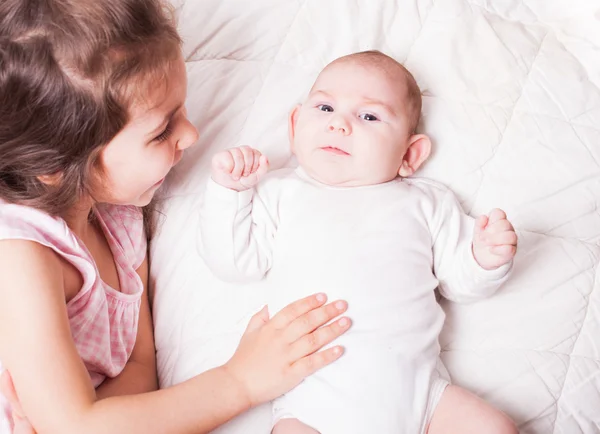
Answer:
(103, 320)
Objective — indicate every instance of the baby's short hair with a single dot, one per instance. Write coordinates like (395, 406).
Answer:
(394, 68)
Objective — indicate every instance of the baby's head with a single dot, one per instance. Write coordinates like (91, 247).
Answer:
(357, 126)
(91, 102)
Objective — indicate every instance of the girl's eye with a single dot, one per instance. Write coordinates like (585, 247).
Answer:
(325, 108)
(164, 135)
(369, 117)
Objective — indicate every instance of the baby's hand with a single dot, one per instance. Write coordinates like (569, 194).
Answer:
(494, 241)
(239, 168)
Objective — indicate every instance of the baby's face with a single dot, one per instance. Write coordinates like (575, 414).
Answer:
(353, 128)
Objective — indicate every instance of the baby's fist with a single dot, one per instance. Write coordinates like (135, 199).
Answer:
(239, 168)
(494, 240)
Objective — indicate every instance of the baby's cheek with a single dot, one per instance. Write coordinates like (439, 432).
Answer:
(301, 146)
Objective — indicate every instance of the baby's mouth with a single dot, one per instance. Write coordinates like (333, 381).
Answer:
(334, 150)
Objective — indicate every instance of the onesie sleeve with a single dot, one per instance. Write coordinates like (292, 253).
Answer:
(236, 233)
(460, 277)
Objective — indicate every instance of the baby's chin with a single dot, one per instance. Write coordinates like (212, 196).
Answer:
(338, 176)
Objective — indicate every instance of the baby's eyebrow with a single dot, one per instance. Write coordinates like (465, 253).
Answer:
(385, 106)
(320, 92)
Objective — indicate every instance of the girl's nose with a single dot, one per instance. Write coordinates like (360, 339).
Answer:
(188, 136)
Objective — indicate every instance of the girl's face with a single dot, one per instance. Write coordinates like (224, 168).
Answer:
(137, 160)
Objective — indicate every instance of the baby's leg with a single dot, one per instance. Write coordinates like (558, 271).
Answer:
(292, 426)
(462, 412)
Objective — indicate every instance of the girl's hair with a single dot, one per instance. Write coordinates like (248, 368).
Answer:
(70, 71)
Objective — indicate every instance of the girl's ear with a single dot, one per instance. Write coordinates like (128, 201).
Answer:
(51, 180)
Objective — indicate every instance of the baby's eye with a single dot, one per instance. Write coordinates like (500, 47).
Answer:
(368, 117)
(325, 108)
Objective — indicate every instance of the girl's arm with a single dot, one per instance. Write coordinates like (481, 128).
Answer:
(139, 374)
(54, 388)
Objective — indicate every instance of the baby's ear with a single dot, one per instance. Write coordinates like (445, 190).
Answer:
(292, 118)
(419, 148)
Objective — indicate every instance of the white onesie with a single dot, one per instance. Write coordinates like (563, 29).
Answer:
(383, 248)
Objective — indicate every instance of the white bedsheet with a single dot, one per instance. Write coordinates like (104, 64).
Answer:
(512, 103)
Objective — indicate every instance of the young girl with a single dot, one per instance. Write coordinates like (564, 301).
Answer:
(91, 122)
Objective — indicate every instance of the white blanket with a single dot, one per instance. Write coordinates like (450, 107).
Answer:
(512, 103)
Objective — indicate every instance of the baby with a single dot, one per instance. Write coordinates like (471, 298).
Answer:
(350, 221)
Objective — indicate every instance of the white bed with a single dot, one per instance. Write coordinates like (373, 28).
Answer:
(512, 102)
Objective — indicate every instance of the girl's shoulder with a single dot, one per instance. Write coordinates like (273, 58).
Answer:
(123, 225)
(27, 237)
(20, 222)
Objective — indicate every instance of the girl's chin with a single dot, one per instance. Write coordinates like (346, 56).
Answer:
(147, 197)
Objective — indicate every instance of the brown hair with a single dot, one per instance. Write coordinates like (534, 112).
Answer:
(392, 66)
(69, 73)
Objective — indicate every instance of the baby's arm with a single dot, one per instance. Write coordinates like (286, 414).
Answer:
(472, 259)
(236, 227)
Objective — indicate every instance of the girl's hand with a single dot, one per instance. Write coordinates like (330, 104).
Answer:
(239, 168)
(21, 423)
(275, 355)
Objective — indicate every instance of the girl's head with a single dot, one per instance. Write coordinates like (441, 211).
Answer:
(91, 102)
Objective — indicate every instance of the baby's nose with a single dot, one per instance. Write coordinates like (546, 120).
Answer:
(338, 123)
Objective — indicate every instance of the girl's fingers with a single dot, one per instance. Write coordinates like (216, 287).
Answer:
(314, 319)
(258, 320)
(310, 364)
(7, 388)
(22, 426)
(316, 340)
(296, 309)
